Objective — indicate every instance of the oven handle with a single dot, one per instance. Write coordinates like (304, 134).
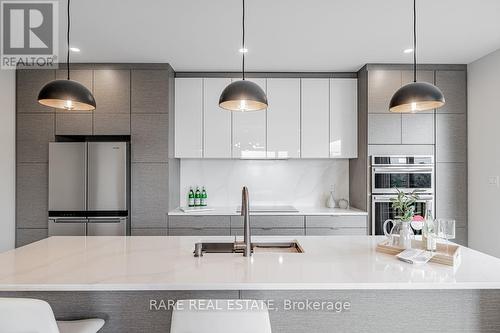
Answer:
(402, 170)
(387, 198)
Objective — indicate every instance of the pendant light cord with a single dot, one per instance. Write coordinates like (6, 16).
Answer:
(414, 40)
(243, 42)
(67, 39)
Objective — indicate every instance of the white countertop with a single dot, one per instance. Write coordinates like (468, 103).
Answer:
(301, 211)
(167, 263)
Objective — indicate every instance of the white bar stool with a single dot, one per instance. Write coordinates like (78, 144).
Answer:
(220, 316)
(19, 315)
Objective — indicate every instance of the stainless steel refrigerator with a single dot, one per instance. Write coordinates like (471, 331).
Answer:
(88, 188)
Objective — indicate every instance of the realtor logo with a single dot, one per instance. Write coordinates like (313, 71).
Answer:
(29, 34)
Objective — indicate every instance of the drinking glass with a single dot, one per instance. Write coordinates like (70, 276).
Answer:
(445, 229)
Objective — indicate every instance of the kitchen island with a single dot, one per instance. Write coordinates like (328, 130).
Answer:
(126, 280)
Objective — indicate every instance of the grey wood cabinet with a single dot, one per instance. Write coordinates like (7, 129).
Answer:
(83, 76)
(149, 232)
(112, 94)
(320, 221)
(112, 91)
(28, 84)
(199, 232)
(451, 192)
(382, 84)
(27, 236)
(417, 129)
(32, 195)
(270, 221)
(149, 138)
(441, 132)
(384, 129)
(33, 134)
(146, 90)
(334, 231)
(74, 123)
(199, 221)
(111, 123)
(267, 225)
(149, 195)
(149, 91)
(336, 225)
(422, 76)
(453, 84)
(451, 138)
(270, 232)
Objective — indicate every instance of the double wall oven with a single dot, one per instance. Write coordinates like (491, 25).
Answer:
(404, 173)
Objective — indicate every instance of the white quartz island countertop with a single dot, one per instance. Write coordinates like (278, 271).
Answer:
(167, 263)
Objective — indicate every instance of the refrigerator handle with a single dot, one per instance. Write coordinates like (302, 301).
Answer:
(86, 150)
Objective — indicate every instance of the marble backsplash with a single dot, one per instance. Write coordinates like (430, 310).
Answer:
(270, 182)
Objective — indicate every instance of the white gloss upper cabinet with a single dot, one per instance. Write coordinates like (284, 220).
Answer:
(189, 118)
(315, 118)
(249, 131)
(283, 118)
(216, 121)
(343, 118)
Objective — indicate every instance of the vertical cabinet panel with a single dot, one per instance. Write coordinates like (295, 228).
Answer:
(343, 118)
(112, 94)
(417, 128)
(283, 118)
(453, 84)
(149, 92)
(422, 76)
(33, 134)
(451, 138)
(149, 195)
(315, 118)
(382, 84)
(28, 236)
(216, 121)
(28, 84)
(83, 76)
(451, 192)
(249, 131)
(149, 141)
(188, 117)
(32, 195)
(112, 91)
(69, 123)
(384, 129)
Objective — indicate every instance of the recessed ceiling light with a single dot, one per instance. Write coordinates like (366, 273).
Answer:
(243, 50)
(74, 49)
(410, 50)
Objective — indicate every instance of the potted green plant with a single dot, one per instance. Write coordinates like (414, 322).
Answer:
(404, 207)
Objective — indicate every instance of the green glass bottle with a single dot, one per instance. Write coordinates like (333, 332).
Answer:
(197, 197)
(191, 197)
(203, 197)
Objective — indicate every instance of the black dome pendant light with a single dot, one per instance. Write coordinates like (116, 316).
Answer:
(67, 94)
(243, 95)
(416, 96)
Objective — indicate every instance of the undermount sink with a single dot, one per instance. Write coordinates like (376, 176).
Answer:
(257, 247)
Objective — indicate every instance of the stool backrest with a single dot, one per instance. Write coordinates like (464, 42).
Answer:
(220, 316)
(26, 315)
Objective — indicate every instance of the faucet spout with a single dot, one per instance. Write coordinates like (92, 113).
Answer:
(245, 212)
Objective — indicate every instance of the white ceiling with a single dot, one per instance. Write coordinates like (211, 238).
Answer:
(282, 35)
